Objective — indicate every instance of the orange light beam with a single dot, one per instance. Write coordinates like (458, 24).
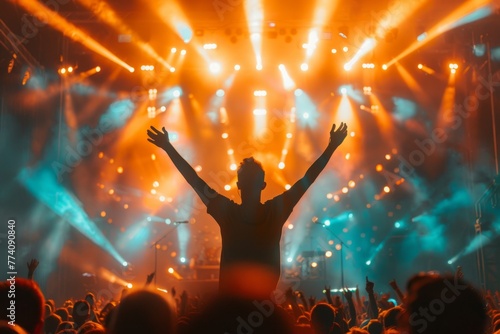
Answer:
(447, 102)
(444, 25)
(255, 19)
(107, 15)
(67, 28)
(412, 83)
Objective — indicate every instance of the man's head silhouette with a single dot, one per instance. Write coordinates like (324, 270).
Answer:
(251, 176)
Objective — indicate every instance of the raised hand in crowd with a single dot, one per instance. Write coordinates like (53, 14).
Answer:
(32, 265)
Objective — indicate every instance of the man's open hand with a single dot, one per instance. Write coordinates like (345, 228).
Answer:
(337, 136)
(157, 137)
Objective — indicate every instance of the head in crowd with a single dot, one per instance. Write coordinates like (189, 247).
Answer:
(81, 313)
(445, 305)
(375, 327)
(143, 311)
(64, 325)
(390, 318)
(91, 327)
(322, 318)
(29, 304)
(51, 324)
(230, 314)
(63, 313)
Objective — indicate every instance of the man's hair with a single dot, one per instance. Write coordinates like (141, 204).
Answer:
(250, 169)
(29, 303)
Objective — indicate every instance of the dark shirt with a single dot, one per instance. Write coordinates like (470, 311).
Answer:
(250, 241)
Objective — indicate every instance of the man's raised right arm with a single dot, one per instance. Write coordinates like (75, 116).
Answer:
(160, 139)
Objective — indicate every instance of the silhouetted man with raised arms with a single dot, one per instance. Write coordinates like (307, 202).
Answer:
(251, 231)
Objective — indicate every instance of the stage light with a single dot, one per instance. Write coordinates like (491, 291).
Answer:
(183, 52)
(125, 263)
(162, 198)
(367, 90)
(171, 270)
(220, 93)
(290, 226)
(287, 186)
(70, 69)
(233, 166)
(420, 66)
(314, 264)
(379, 168)
(227, 187)
(368, 262)
(397, 224)
(132, 70)
(343, 91)
(352, 184)
(328, 253)
(298, 92)
(225, 135)
(259, 111)
(289, 260)
(387, 157)
(237, 67)
(172, 69)
(261, 93)
(327, 222)
(210, 46)
(334, 51)
(387, 189)
(183, 259)
(345, 49)
(173, 50)
(98, 69)
(62, 71)
(281, 165)
(258, 67)
(347, 67)
(129, 285)
(215, 67)
(304, 67)
(384, 67)
(345, 190)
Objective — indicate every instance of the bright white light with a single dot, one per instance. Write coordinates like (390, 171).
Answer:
(259, 111)
(347, 67)
(281, 165)
(237, 67)
(172, 69)
(327, 222)
(343, 90)
(183, 259)
(173, 50)
(258, 67)
(183, 52)
(220, 93)
(129, 285)
(260, 93)
(176, 93)
(328, 254)
(233, 167)
(368, 262)
(125, 264)
(298, 92)
(210, 46)
(215, 67)
(304, 67)
(289, 260)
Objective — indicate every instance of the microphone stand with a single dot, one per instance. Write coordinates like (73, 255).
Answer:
(342, 244)
(156, 243)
